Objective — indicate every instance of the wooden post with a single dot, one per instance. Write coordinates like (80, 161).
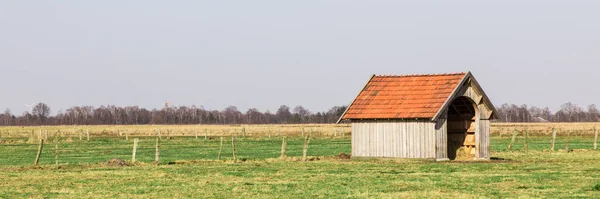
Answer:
(40, 135)
(525, 142)
(595, 138)
(127, 135)
(553, 138)
(500, 132)
(244, 131)
(283, 148)
(157, 153)
(206, 134)
(305, 150)
(220, 149)
(37, 157)
(279, 131)
(56, 153)
(46, 134)
(310, 131)
(567, 141)
(135, 143)
(80, 136)
(233, 147)
(269, 133)
(159, 134)
(87, 131)
(512, 141)
(196, 131)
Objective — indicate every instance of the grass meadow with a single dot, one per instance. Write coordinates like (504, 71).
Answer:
(189, 168)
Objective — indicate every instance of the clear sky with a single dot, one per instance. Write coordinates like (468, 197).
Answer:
(313, 53)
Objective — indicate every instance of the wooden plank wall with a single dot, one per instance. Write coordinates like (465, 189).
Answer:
(483, 139)
(441, 135)
(396, 139)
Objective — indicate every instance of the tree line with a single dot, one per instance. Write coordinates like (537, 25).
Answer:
(134, 115)
(568, 112)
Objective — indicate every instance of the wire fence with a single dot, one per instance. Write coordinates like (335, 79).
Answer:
(83, 146)
(19, 152)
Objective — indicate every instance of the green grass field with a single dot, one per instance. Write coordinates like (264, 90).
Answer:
(189, 169)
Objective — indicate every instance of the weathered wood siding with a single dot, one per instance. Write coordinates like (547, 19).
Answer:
(441, 139)
(441, 136)
(483, 140)
(394, 139)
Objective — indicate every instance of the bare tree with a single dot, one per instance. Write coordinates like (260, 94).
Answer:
(301, 114)
(41, 111)
(283, 114)
(592, 113)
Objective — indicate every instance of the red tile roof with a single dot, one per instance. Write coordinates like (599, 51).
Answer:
(403, 97)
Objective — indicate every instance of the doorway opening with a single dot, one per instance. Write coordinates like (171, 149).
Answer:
(461, 129)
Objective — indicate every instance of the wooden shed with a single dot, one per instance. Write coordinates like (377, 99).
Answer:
(433, 116)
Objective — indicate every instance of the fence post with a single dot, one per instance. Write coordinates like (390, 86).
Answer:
(80, 136)
(196, 131)
(512, 141)
(233, 147)
(567, 141)
(595, 138)
(159, 134)
(302, 131)
(335, 134)
(500, 132)
(56, 153)
(553, 138)
(46, 134)
(87, 131)
(205, 133)
(40, 135)
(283, 147)
(37, 157)
(305, 150)
(525, 147)
(126, 135)
(279, 131)
(220, 149)
(157, 153)
(244, 131)
(135, 143)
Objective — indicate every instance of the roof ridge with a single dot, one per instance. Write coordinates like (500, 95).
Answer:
(423, 75)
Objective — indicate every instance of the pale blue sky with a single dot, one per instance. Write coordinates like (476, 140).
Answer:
(313, 53)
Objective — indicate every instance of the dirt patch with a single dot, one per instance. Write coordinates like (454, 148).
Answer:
(116, 162)
(343, 156)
